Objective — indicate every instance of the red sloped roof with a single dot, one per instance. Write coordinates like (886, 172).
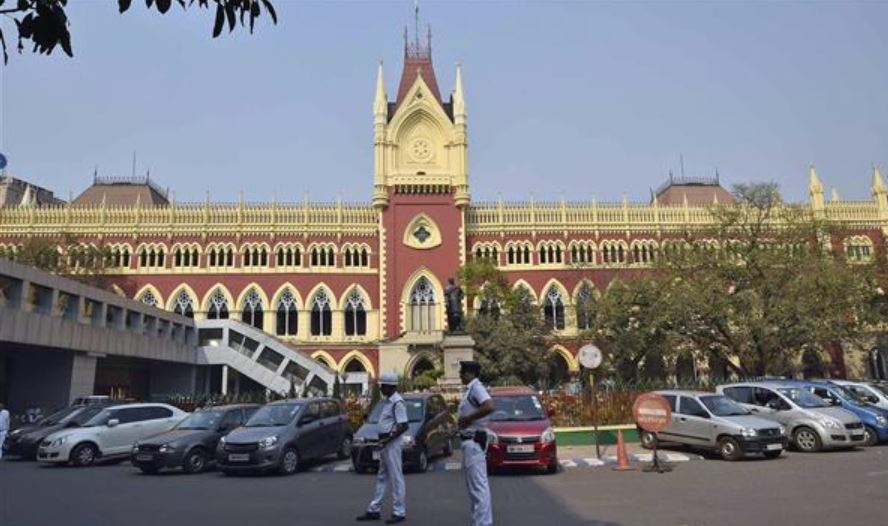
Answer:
(412, 65)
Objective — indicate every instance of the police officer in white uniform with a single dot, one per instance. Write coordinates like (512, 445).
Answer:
(476, 404)
(392, 424)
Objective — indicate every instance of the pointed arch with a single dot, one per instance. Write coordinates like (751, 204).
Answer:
(276, 297)
(317, 288)
(343, 300)
(285, 304)
(174, 295)
(554, 302)
(325, 358)
(526, 285)
(418, 359)
(433, 316)
(148, 288)
(321, 302)
(360, 357)
(246, 290)
(252, 303)
(209, 306)
(572, 361)
(553, 282)
(422, 232)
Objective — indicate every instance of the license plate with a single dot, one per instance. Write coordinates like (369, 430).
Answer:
(774, 447)
(144, 457)
(524, 448)
(238, 457)
(375, 455)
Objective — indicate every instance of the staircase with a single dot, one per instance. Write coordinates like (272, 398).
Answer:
(261, 357)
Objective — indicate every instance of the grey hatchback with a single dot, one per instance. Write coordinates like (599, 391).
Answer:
(282, 434)
(713, 421)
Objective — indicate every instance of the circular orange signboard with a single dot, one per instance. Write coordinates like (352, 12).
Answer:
(652, 412)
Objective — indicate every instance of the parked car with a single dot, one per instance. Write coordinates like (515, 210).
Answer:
(192, 444)
(715, 422)
(110, 433)
(810, 422)
(429, 427)
(866, 390)
(24, 441)
(521, 432)
(875, 420)
(282, 434)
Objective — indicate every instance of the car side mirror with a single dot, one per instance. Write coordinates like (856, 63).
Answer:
(113, 422)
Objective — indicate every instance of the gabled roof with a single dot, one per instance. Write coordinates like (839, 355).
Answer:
(122, 192)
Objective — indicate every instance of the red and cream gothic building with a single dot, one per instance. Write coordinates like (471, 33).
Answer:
(360, 286)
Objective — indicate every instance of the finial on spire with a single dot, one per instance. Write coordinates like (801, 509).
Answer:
(878, 183)
(814, 184)
(459, 100)
(380, 102)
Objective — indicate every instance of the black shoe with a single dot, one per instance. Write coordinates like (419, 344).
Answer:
(368, 516)
(396, 519)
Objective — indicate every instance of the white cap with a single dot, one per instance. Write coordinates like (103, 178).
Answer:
(388, 379)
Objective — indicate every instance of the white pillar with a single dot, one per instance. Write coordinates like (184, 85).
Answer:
(224, 379)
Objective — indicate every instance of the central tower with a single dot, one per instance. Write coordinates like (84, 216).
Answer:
(421, 192)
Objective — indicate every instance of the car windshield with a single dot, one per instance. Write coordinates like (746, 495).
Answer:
(803, 398)
(414, 411)
(83, 416)
(274, 415)
(517, 408)
(863, 391)
(848, 394)
(202, 420)
(720, 405)
(59, 417)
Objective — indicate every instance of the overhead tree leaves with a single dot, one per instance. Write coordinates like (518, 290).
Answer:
(44, 24)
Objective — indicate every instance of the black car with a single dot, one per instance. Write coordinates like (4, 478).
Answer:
(24, 441)
(282, 434)
(428, 434)
(190, 445)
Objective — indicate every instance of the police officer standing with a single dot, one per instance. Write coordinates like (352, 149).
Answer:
(392, 424)
(473, 410)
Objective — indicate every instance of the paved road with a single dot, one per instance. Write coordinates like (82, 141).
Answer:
(845, 488)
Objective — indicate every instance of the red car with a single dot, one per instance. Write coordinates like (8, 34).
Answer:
(523, 432)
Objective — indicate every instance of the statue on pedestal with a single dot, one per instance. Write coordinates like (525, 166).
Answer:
(453, 297)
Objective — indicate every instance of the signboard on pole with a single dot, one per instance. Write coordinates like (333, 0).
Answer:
(590, 356)
(652, 412)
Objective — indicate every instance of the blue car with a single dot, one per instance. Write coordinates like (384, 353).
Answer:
(875, 420)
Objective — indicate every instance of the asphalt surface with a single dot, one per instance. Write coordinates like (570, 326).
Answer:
(847, 488)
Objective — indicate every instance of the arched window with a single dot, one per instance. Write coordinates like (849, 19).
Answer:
(355, 315)
(422, 306)
(422, 365)
(252, 313)
(584, 307)
(559, 370)
(321, 315)
(287, 315)
(148, 298)
(184, 305)
(355, 366)
(553, 309)
(218, 307)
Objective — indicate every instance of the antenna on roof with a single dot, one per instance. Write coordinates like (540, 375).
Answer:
(134, 164)
(416, 21)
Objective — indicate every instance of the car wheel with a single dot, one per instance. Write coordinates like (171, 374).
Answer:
(552, 468)
(772, 454)
(730, 449)
(806, 440)
(648, 440)
(345, 448)
(149, 470)
(289, 462)
(422, 461)
(195, 461)
(84, 455)
(359, 469)
(870, 436)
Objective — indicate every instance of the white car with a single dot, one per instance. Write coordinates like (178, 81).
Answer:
(866, 391)
(111, 433)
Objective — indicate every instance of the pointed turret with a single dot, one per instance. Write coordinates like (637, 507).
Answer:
(878, 183)
(834, 197)
(459, 99)
(880, 194)
(815, 191)
(380, 101)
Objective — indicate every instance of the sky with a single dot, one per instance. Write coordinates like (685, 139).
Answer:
(565, 99)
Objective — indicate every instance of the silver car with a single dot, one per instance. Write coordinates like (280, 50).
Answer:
(715, 422)
(811, 423)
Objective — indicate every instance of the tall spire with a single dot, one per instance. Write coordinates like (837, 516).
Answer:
(815, 191)
(459, 100)
(380, 102)
(417, 61)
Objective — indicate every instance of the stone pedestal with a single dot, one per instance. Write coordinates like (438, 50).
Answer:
(457, 348)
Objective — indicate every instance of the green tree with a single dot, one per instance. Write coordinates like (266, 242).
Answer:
(65, 256)
(44, 25)
(764, 286)
(509, 332)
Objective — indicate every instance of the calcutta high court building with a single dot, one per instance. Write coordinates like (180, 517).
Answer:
(360, 287)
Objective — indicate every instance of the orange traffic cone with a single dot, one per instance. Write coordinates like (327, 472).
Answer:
(622, 456)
